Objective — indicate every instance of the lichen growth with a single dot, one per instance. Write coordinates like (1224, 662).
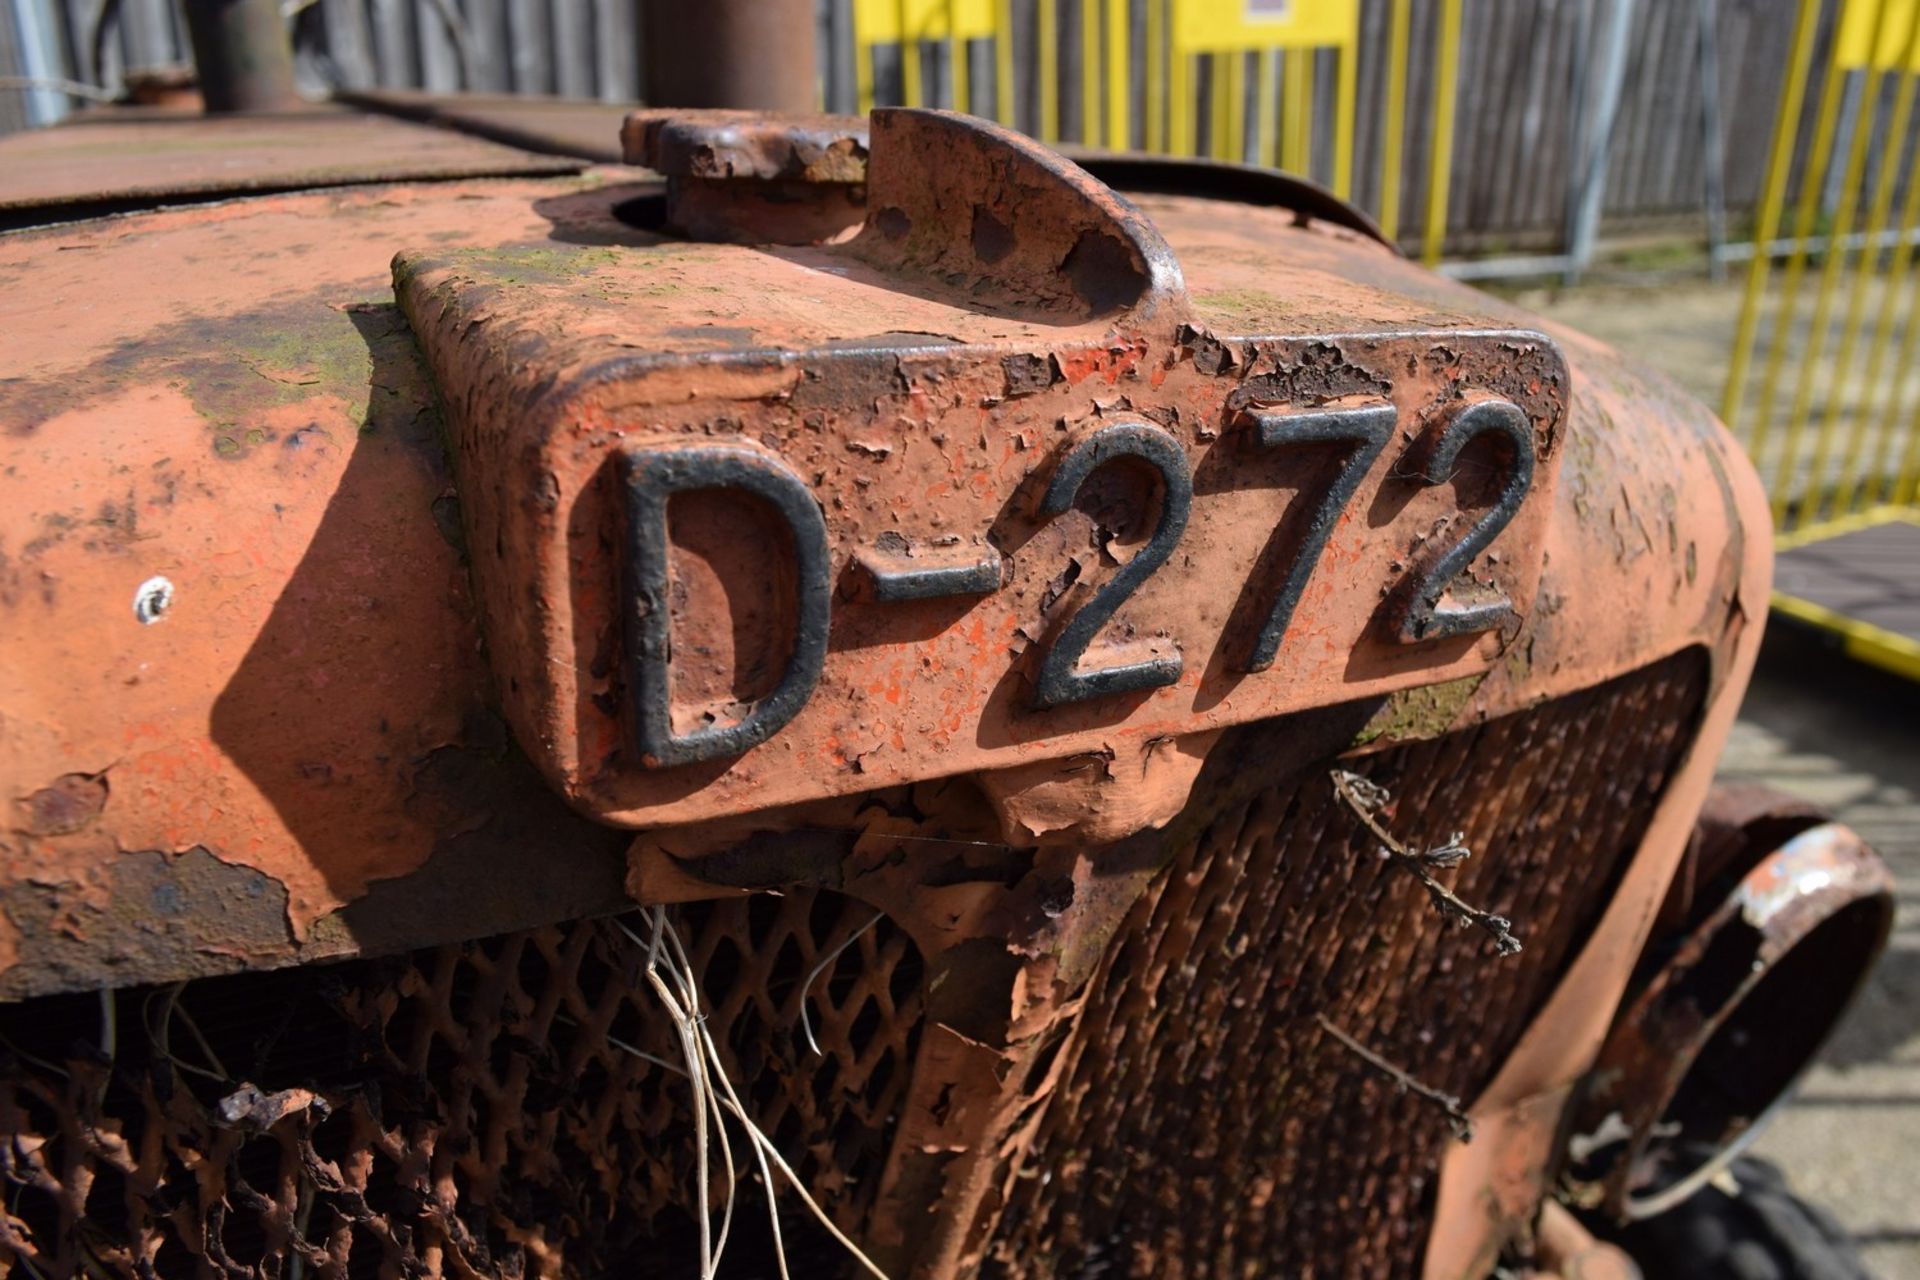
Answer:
(354, 357)
(1418, 714)
(1240, 309)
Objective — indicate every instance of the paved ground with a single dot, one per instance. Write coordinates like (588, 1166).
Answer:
(1848, 739)
(1684, 326)
(1820, 727)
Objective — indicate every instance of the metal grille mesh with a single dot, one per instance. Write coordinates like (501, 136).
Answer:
(1205, 1126)
(462, 1111)
(477, 1111)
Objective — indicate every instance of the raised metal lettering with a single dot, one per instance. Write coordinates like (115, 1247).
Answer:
(1367, 429)
(1059, 681)
(652, 476)
(1425, 619)
(935, 573)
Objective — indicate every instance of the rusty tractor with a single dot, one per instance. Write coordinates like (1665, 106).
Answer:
(587, 697)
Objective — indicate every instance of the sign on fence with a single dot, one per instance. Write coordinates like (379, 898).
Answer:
(909, 22)
(894, 21)
(1883, 28)
(1249, 26)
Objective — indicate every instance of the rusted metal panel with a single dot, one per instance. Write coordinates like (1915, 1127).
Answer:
(154, 158)
(1212, 946)
(1490, 1191)
(256, 618)
(310, 704)
(940, 435)
(290, 643)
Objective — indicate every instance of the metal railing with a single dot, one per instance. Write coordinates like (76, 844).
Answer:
(1472, 129)
(1235, 80)
(1529, 103)
(1826, 405)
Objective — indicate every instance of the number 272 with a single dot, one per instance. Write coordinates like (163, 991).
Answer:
(1365, 431)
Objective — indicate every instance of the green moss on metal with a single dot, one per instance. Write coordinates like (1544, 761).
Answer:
(1246, 309)
(1417, 714)
(359, 354)
(544, 263)
(237, 369)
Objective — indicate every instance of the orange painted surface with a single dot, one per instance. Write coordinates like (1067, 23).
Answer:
(249, 602)
(226, 397)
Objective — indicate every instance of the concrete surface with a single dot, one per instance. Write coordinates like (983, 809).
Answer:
(1684, 326)
(1825, 729)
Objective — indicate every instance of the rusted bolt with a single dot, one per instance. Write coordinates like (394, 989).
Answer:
(742, 177)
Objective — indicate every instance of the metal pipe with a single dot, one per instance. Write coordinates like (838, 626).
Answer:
(1585, 222)
(1737, 251)
(34, 25)
(1566, 1250)
(1713, 164)
(243, 55)
(1505, 268)
(752, 54)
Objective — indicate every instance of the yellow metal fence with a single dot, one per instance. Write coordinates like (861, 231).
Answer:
(1243, 68)
(1826, 399)
(1823, 386)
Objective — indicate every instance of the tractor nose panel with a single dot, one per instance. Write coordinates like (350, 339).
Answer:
(973, 488)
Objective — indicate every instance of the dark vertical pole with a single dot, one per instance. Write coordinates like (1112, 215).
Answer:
(757, 54)
(243, 54)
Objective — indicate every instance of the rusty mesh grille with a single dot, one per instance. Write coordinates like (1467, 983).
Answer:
(1205, 1125)
(463, 1111)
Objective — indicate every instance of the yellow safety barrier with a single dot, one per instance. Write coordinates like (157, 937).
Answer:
(909, 24)
(1229, 33)
(1837, 445)
(1156, 105)
(1394, 135)
(1870, 34)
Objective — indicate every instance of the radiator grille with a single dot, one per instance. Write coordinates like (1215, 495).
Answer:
(471, 1110)
(1205, 1125)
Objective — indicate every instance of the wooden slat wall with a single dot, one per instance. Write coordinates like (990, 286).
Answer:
(1523, 62)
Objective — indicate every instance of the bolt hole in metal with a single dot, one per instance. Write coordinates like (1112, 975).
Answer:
(152, 599)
